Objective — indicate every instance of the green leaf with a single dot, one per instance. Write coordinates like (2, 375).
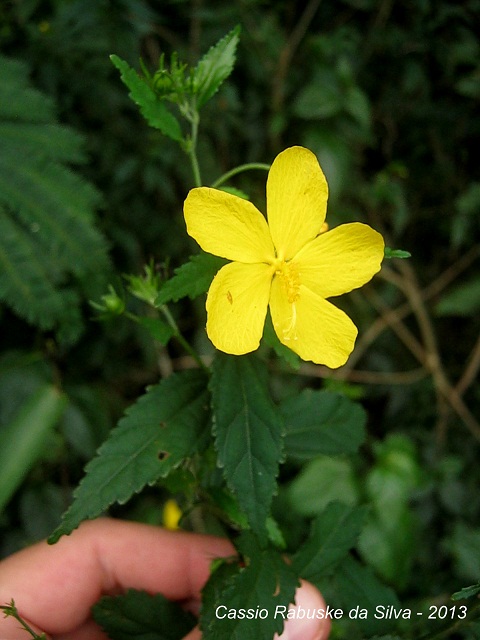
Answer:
(191, 279)
(165, 426)
(21, 440)
(322, 480)
(137, 614)
(151, 107)
(387, 542)
(248, 433)
(322, 422)
(333, 533)
(466, 592)
(396, 253)
(358, 587)
(463, 544)
(265, 584)
(462, 300)
(159, 330)
(215, 67)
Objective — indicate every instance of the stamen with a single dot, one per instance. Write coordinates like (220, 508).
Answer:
(290, 331)
(288, 273)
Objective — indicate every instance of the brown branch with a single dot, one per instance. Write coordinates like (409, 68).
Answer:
(288, 51)
(403, 310)
(470, 373)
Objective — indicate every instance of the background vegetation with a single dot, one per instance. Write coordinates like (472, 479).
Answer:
(386, 93)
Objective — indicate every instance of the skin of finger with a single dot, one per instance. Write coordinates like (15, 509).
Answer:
(309, 599)
(55, 586)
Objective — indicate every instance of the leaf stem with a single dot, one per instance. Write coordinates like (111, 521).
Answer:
(240, 169)
(176, 332)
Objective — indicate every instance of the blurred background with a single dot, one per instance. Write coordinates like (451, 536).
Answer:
(387, 95)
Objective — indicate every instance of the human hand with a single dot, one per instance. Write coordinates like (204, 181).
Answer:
(54, 587)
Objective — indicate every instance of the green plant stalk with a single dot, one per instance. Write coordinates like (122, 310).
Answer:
(176, 334)
(192, 148)
(171, 321)
(240, 169)
(11, 610)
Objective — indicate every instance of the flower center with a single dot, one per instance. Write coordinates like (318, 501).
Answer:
(290, 279)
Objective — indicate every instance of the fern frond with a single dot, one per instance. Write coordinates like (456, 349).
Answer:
(25, 282)
(48, 236)
(20, 101)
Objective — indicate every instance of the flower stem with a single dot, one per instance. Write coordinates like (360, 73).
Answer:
(176, 332)
(192, 149)
(240, 169)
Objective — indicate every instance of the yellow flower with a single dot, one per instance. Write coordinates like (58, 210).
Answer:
(288, 264)
(171, 514)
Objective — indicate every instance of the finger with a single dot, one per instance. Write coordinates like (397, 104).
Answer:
(194, 634)
(304, 624)
(55, 586)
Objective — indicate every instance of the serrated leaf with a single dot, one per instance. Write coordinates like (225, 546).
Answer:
(333, 533)
(191, 279)
(215, 67)
(137, 614)
(248, 433)
(322, 422)
(165, 426)
(265, 583)
(151, 107)
(358, 587)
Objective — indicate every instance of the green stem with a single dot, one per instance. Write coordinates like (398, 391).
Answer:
(11, 610)
(240, 169)
(176, 332)
(192, 151)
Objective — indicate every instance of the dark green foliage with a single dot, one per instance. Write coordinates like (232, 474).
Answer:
(191, 279)
(49, 245)
(264, 583)
(140, 615)
(321, 422)
(153, 110)
(333, 533)
(248, 433)
(168, 424)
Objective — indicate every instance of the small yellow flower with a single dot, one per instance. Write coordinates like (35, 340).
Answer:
(171, 515)
(290, 264)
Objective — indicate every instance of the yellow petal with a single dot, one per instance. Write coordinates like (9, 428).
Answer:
(227, 226)
(297, 195)
(312, 327)
(237, 304)
(340, 260)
